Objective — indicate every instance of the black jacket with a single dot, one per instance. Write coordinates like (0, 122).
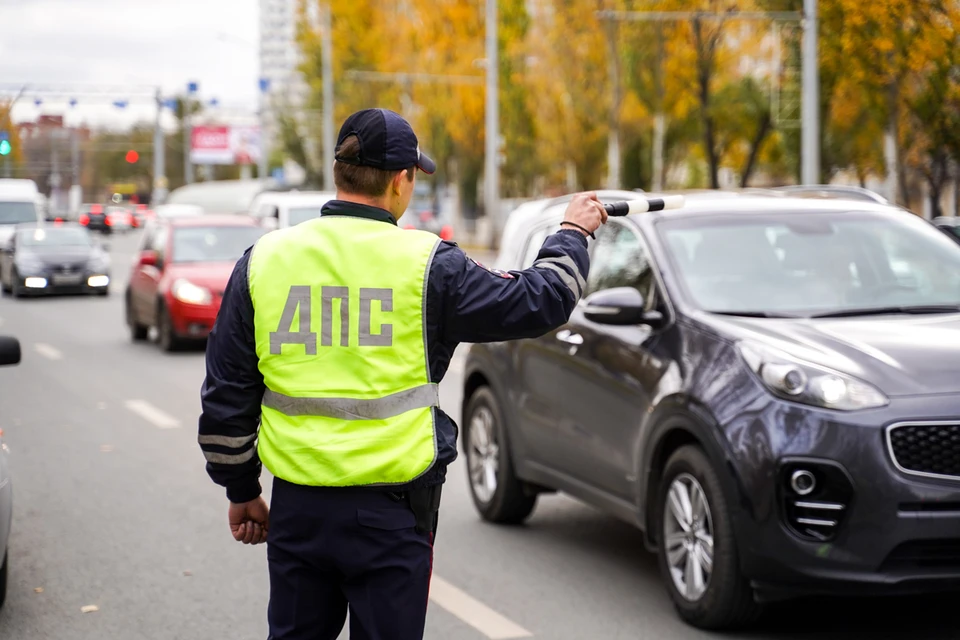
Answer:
(466, 302)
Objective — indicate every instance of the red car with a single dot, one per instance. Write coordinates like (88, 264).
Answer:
(180, 273)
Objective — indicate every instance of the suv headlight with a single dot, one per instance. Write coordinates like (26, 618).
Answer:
(186, 291)
(793, 379)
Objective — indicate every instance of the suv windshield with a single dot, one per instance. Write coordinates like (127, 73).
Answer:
(55, 237)
(814, 263)
(17, 212)
(213, 244)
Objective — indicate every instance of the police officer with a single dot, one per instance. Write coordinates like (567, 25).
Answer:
(323, 365)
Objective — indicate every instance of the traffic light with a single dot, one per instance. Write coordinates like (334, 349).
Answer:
(132, 156)
(5, 146)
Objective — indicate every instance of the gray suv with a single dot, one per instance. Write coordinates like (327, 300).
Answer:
(768, 385)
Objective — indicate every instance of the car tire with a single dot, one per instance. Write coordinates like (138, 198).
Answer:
(138, 332)
(166, 336)
(504, 500)
(4, 571)
(727, 600)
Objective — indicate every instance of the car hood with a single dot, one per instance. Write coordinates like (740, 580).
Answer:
(901, 355)
(212, 275)
(59, 254)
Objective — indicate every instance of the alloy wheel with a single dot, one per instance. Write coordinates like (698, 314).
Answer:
(484, 454)
(688, 537)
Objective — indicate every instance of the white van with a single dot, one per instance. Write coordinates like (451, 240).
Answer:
(282, 209)
(18, 204)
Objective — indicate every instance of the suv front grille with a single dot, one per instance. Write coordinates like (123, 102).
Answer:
(927, 449)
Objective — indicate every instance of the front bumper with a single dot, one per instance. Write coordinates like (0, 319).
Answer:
(46, 282)
(895, 534)
(192, 321)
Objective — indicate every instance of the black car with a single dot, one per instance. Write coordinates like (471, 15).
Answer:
(63, 258)
(95, 217)
(768, 387)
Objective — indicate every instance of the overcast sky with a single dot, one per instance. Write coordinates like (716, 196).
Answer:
(130, 43)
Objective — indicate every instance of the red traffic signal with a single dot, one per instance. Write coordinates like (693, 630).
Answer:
(132, 156)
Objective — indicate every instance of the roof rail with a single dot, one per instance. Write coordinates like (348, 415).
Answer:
(833, 191)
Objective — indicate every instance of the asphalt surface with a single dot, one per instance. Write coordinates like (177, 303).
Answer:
(113, 509)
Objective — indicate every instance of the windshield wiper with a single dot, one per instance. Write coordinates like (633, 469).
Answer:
(753, 314)
(881, 311)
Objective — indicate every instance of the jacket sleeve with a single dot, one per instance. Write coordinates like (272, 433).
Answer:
(232, 392)
(488, 305)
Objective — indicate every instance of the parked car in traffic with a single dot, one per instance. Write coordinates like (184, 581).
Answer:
(282, 209)
(95, 218)
(9, 354)
(120, 219)
(220, 196)
(18, 205)
(767, 385)
(179, 275)
(52, 259)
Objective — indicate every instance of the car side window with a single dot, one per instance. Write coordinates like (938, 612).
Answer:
(620, 259)
(534, 243)
(159, 244)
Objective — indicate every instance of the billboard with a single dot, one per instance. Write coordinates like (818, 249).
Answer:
(225, 145)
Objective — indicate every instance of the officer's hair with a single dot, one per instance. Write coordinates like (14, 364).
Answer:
(363, 181)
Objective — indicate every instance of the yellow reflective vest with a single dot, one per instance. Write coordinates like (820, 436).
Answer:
(339, 305)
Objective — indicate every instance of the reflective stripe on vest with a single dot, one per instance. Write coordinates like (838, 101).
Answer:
(339, 324)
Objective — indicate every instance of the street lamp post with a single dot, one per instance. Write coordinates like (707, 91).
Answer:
(192, 88)
(491, 177)
(264, 146)
(159, 157)
(327, 54)
(810, 153)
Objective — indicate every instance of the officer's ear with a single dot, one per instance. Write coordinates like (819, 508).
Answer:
(397, 183)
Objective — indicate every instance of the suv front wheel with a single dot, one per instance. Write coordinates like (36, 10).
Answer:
(697, 550)
(497, 492)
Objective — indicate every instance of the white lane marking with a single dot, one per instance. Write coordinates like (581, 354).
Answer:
(151, 414)
(47, 351)
(473, 612)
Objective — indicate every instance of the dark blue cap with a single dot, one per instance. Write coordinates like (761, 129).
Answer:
(387, 142)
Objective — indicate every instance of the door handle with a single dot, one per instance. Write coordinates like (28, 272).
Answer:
(569, 337)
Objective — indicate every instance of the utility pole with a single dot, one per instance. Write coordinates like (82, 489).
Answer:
(491, 174)
(613, 136)
(159, 157)
(810, 153)
(327, 55)
(188, 132)
(659, 119)
(262, 166)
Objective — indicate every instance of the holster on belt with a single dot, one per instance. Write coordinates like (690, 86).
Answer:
(425, 504)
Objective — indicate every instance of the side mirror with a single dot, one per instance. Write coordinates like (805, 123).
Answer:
(620, 306)
(9, 350)
(148, 258)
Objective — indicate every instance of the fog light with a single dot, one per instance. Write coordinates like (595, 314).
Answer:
(803, 482)
(35, 283)
(98, 281)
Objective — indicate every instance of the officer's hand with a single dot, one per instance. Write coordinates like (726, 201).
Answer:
(249, 521)
(586, 212)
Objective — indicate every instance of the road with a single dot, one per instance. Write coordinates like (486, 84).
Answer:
(114, 509)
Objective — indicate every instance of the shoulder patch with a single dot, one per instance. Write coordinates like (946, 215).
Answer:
(497, 272)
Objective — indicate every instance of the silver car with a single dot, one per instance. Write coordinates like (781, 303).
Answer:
(9, 354)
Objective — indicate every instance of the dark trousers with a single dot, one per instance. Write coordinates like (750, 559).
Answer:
(330, 549)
